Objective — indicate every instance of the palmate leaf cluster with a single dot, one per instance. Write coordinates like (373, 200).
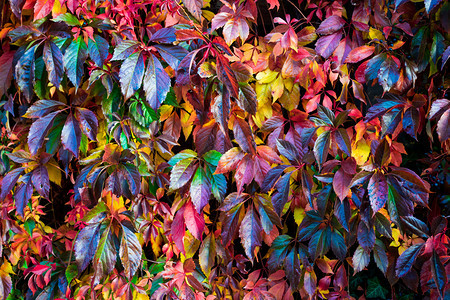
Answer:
(224, 150)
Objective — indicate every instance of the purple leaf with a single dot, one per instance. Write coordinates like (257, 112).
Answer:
(443, 126)
(378, 191)
(331, 25)
(42, 107)
(230, 222)
(23, 193)
(366, 236)
(133, 177)
(54, 63)
(326, 45)
(411, 121)
(88, 122)
(321, 147)
(289, 151)
(338, 245)
(131, 74)
(200, 189)
(343, 141)
(272, 177)
(71, 135)
(181, 173)
(280, 197)
(244, 135)
(439, 273)
(156, 83)
(39, 130)
(194, 7)
(173, 55)
(106, 255)
(124, 50)
(86, 245)
(388, 74)
(9, 181)
(41, 181)
(250, 233)
(293, 269)
(6, 71)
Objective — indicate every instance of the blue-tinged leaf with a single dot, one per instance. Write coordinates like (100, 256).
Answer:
(343, 141)
(20, 157)
(42, 107)
(388, 73)
(131, 174)
(280, 197)
(416, 226)
(250, 233)
(320, 243)
(124, 50)
(187, 153)
(25, 72)
(437, 47)
(219, 186)
(9, 181)
(342, 212)
(378, 191)
(430, 4)
(81, 180)
(71, 135)
(74, 59)
(164, 35)
(156, 82)
(325, 114)
(272, 177)
(380, 108)
(86, 245)
(439, 273)
(181, 173)
(289, 151)
(279, 249)
(361, 259)
(88, 122)
(54, 63)
(338, 245)
(38, 131)
(23, 193)
(407, 259)
(41, 181)
(130, 252)
(172, 54)
(366, 236)
(98, 49)
(380, 256)
(374, 65)
(230, 222)
(411, 121)
(267, 214)
(293, 269)
(391, 120)
(321, 147)
(131, 74)
(399, 2)
(322, 199)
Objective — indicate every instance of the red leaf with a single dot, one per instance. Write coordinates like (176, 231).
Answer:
(227, 76)
(326, 45)
(331, 25)
(6, 71)
(178, 229)
(42, 8)
(273, 3)
(229, 160)
(341, 183)
(195, 222)
(244, 136)
(359, 54)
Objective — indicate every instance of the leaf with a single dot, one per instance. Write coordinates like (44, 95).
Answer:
(278, 252)
(106, 255)
(341, 183)
(42, 8)
(443, 126)
(361, 259)
(9, 181)
(71, 135)
(431, 4)
(378, 191)
(42, 107)
(230, 222)
(376, 290)
(360, 53)
(207, 254)
(74, 60)
(321, 147)
(293, 269)
(124, 49)
(267, 214)
(39, 130)
(380, 256)
(280, 198)
(23, 193)
(173, 55)
(200, 189)
(343, 141)
(439, 273)
(342, 213)
(373, 66)
(54, 63)
(229, 160)
(132, 176)
(130, 252)
(411, 121)
(416, 226)
(331, 25)
(407, 259)
(86, 245)
(6, 71)
(156, 83)
(319, 243)
(24, 72)
(227, 76)
(247, 98)
(366, 236)
(338, 245)
(98, 50)
(244, 136)
(194, 221)
(289, 151)
(41, 181)
(88, 122)
(181, 173)
(272, 177)
(326, 45)
(131, 74)
(178, 229)
(194, 7)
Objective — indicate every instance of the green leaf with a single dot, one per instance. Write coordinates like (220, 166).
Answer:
(207, 254)
(71, 272)
(74, 60)
(375, 289)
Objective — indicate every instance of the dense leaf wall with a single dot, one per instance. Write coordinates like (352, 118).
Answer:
(224, 150)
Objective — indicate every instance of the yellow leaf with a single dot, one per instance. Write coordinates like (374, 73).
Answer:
(299, 214)
(165, 112)
(290, 100)
(375, 34)
(266, 76)
(360, 151)
(54, 173)
(58, 9)
(277, 88)
(187, 117)
(139, 296)
(6, 268)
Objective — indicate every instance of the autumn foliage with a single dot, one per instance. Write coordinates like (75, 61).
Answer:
(197, 149)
